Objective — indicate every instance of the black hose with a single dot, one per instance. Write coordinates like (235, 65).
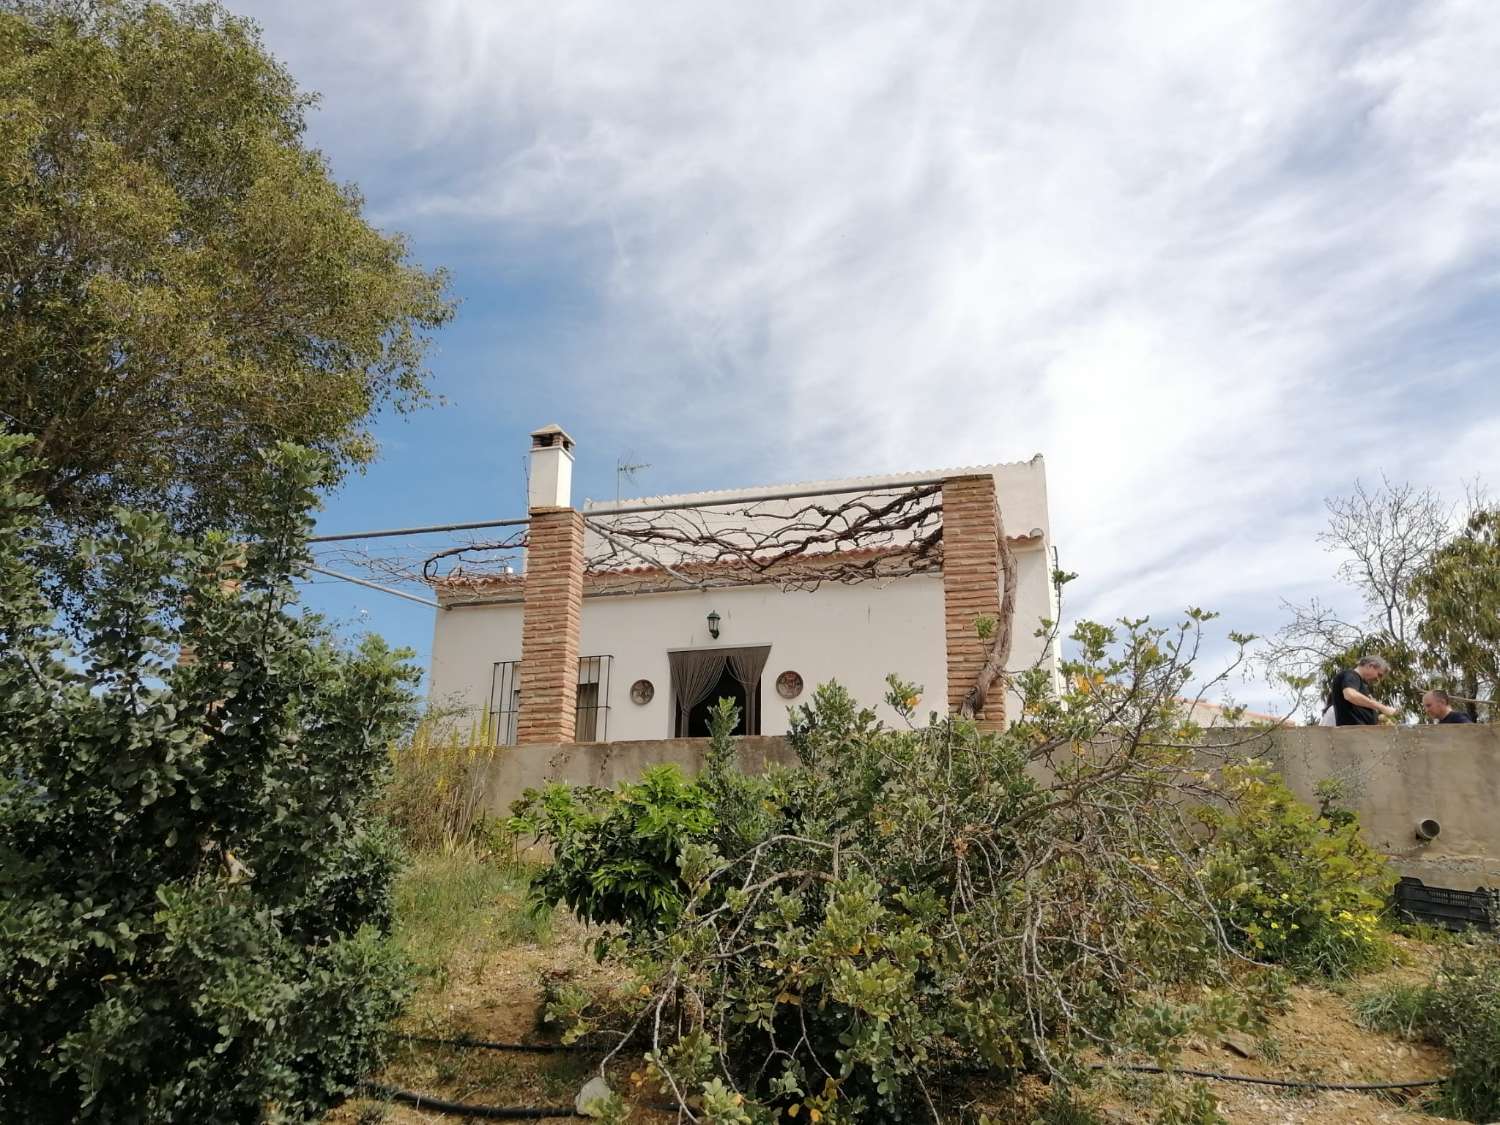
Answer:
(489, 1045)
(533, 1113)
(490, 1112)
(463, 1109)
(519, 1113)
(1288, 1083)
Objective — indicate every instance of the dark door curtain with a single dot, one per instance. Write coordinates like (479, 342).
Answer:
(695, 673)
(746, 665)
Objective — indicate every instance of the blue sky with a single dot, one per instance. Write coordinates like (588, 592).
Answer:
(1214, 261)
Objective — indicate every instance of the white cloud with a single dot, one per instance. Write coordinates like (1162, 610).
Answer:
(1213, 260)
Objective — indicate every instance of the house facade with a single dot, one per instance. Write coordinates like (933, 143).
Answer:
(629, 620)
(1206, 715)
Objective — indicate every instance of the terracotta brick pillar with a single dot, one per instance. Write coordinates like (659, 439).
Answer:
(551, 621)
(971, 585)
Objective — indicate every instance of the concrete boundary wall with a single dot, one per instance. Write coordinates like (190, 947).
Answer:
(1392, 776)
(606, 764)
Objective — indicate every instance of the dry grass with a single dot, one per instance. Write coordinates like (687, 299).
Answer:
(435, 798)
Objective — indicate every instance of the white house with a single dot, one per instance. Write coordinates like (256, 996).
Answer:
(1206, 714)
(629, 620)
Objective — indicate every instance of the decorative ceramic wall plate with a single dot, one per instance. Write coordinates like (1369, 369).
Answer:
(641, 691)
(789, 685)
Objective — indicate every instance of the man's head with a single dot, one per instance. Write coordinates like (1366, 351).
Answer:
(1372, 669)
(1437, 704)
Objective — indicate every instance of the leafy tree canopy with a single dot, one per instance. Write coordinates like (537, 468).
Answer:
(1430, 594)
(182, 283)
(193, 887)
(1459, 593)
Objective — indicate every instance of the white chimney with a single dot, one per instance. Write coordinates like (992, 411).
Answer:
(551, 469)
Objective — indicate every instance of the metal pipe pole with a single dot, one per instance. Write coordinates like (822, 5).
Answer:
(383, 533)
(374, 586)
(627, 509)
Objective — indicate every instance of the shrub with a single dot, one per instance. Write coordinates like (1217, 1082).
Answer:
(192, 885)
(1295, 888)
(1462, 1012)
(1459, 1010)
(1186, 1103)
(838, 940)
(616, 853)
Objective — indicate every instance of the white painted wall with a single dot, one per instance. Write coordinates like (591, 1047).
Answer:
(1035, 603)
(466, 642)
(856, 634)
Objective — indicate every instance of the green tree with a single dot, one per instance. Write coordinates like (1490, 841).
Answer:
(182, 283)
(1459, 594)
(193, 888)
(1383, 537)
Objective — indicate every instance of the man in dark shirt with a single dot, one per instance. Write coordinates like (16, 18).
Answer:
(1352, 704)
(1439, 707)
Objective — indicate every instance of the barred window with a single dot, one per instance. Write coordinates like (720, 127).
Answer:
(591, 717)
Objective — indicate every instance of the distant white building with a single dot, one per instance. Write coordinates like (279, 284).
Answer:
(1206, 714)
(629, 620)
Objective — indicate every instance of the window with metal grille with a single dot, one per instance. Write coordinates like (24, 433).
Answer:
(505, 701)
(591, 720)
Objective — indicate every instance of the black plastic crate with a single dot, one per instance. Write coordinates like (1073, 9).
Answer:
(1453, 910)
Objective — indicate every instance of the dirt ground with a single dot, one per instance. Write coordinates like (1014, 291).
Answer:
(1317, 1039)
(501, 998)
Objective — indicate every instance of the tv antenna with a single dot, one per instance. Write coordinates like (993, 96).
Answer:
(626, 470)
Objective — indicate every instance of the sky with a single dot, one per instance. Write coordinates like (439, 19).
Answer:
(1215, 262)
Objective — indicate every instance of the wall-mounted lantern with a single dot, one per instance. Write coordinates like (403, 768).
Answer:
(713, 624)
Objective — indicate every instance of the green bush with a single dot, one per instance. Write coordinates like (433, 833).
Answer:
(1186, 1103)
(1462, 1012)
(193, 889)
(853, 938)
(1295, 888)
(1459, 1010)
(615, 853)
(836, 941)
